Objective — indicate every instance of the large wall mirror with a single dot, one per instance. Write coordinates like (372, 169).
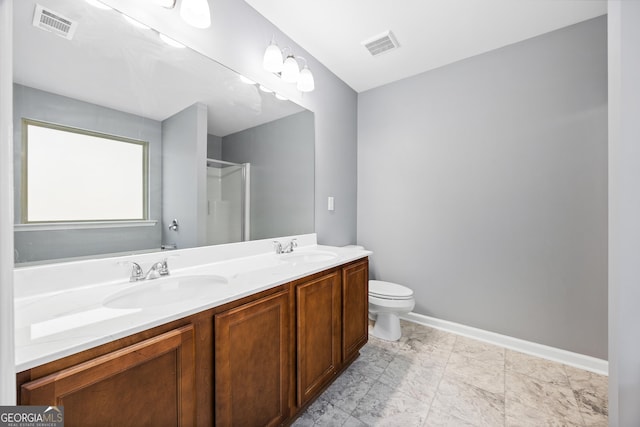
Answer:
(224, 161)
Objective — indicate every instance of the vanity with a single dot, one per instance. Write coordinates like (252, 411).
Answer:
(261, 337)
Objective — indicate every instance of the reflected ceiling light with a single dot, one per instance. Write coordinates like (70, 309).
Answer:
(170, 41)
(265, 89)
(135, 23)
(196, 13)
(246, 80)
(305, 80)
(98, 4)
(272, 60)
(288, 70)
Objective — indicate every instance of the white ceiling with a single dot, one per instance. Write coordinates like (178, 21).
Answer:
(431, 33)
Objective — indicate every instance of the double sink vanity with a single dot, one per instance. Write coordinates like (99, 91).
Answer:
(235, 334)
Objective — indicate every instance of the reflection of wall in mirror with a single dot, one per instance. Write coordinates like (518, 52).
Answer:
(184, 177)
(281, 154)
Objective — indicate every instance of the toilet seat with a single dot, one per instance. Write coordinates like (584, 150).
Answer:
(389, 291)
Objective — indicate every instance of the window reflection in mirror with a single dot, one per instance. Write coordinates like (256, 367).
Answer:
(72, 175)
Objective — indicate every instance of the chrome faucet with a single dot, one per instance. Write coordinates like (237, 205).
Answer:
(286, 249)
(158, 269)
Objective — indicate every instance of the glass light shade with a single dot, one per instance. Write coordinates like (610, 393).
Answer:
(305, 80)
(290, 70)
(196, 13)
(265, 89)
(272, 61)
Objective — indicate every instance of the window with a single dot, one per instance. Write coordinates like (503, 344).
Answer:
(72, 175)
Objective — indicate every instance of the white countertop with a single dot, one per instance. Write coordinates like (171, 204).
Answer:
(59, 320)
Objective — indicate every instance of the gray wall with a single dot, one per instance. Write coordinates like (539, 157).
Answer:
(624, 213)
(482, 185)
(237, 38)
(41, 245)
(214, 147)
(281, 154)
(184, 177)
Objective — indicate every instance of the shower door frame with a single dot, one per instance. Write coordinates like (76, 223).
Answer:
(245, 196)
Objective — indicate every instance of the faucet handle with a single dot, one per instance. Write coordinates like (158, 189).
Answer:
(164, 268)
(277, 246)
(294, 243)
(136, 272)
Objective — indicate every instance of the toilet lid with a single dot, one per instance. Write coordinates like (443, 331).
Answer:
(378, 288)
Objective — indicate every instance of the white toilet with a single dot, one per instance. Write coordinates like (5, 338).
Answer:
(387, 301)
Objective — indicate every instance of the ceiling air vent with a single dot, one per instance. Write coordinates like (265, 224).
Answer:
(46, 19)
(381, 43)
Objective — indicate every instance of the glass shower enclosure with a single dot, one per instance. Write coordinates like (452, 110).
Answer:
(228, 202)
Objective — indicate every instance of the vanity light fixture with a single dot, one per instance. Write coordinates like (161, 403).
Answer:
(196, 13)
(289, 69)
(265, 89)
(281, 98)
(171, 42)
(99, 5)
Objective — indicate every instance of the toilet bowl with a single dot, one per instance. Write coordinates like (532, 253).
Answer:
(388, 301)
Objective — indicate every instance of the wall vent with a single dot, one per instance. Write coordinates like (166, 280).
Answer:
(47, 20)
(381, 43)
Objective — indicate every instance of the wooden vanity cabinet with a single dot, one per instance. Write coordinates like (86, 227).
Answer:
(257, 361)
(355, 308)
(318, 321)
(253, 363)
(148, 383)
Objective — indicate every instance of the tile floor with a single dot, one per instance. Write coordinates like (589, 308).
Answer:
(434, 378)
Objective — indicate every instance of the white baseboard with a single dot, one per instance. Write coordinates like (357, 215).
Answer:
(577, 360)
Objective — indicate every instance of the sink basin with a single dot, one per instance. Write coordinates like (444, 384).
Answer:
(309, 256)
(164, 291)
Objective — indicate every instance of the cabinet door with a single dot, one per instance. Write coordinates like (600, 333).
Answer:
(355, 307)
(252, 363)
(318, 334)
(151, 383)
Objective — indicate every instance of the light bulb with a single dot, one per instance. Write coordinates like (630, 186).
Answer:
(272, 60)
(170, 41)
(290, 70)
(305, 80)
(98, 4)
(196, 13)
